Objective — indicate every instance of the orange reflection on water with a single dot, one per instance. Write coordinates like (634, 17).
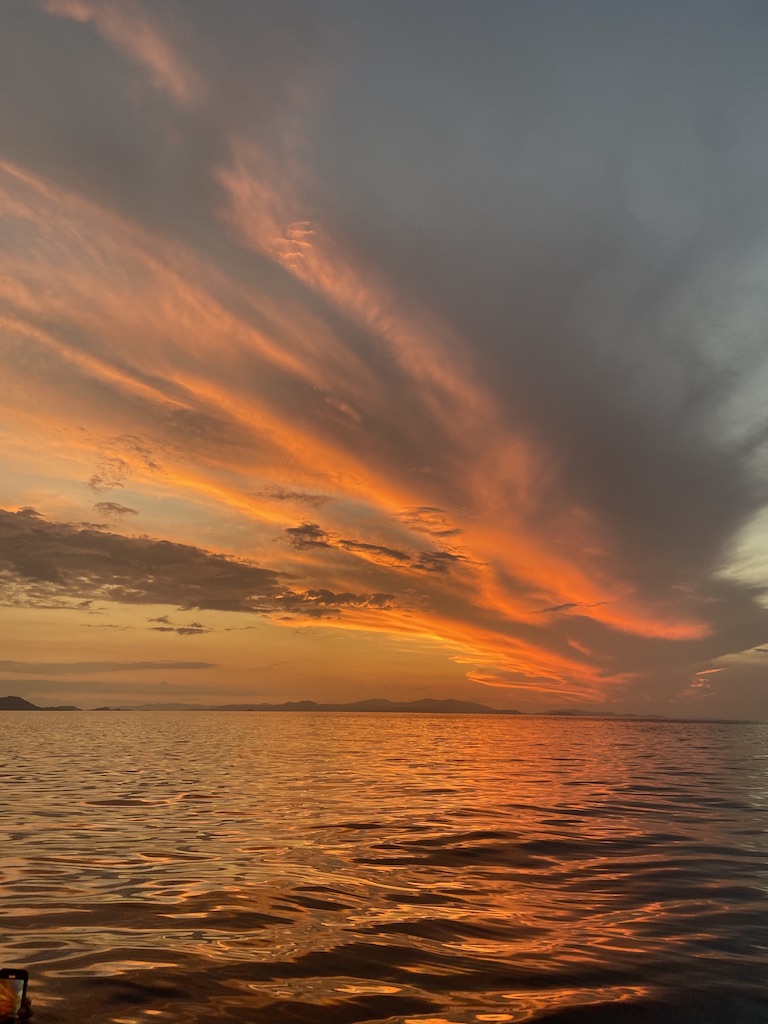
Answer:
(381, 867)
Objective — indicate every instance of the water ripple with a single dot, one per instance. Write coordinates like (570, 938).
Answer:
(371, 868)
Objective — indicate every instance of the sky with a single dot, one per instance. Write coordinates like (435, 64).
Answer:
(381, 348)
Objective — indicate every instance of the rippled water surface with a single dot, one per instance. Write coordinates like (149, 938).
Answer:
(275, 868)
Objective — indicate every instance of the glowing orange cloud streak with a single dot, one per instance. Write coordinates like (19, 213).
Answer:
(258, 213)
(469, 642)
(520, 551)
(257, 208)
(306, 452)
(93, 366)
(187, 327)
(538, 669)
(189, 308)
(158, 290)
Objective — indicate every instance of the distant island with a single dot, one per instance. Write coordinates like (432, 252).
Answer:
(19, 704)
(425, 706)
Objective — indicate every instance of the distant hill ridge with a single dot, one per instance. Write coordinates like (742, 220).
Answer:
(427, 705)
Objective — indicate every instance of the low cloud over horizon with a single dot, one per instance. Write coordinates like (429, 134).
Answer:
(431, 333)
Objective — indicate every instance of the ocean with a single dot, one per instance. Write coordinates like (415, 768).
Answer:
(184, 867)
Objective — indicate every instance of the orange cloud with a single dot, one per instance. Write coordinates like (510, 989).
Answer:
(239, 391)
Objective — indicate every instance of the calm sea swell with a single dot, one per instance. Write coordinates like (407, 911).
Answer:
(340, 868)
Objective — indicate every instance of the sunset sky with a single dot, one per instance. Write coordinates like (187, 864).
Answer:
(385, 348)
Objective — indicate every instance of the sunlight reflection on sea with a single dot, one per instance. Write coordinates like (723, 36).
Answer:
(266, 868)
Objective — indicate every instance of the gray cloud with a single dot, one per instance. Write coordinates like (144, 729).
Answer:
(311, 535)
(308, 535)
(569, 605)
(326, 604)
(52, 565)
(300, 497)
(112, 472)
(111, 509)
(436, 561)
(29, 512)
(166, 626)
(66, 668)
(376, 551)
(49, 560)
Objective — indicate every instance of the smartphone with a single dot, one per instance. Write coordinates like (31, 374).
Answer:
(13, 988)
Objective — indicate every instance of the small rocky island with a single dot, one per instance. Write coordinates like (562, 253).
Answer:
(19, 704)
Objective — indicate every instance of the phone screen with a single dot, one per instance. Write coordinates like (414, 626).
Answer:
(11, 994)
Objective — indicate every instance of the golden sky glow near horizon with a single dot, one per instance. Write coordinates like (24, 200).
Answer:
(384, 350)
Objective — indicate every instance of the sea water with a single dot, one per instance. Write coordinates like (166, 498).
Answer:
(181, 867)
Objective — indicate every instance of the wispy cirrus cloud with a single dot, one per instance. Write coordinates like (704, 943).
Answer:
(473, 322)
